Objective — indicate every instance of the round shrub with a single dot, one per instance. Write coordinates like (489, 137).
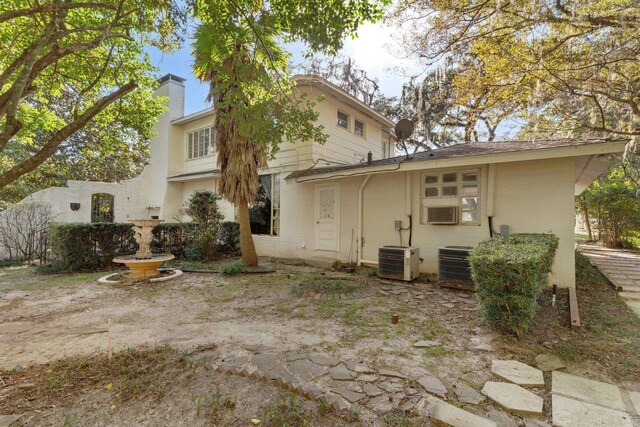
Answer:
(509, 274)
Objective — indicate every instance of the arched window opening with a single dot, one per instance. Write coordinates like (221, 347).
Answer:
(102, 207)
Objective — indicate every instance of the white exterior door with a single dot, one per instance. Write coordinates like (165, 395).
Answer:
(327, 217)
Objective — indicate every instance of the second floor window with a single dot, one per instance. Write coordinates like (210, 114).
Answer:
(358, 127)
(342, 120)
(200, 142)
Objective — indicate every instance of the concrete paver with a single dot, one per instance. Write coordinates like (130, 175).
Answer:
(517, 372)
(597, 392)
(513, 398)
(574, 413)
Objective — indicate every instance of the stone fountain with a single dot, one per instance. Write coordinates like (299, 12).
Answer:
(144, 264)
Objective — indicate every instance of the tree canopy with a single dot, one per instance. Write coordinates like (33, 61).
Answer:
(70, 67)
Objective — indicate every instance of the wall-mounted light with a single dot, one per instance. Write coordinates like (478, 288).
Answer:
(74, 206)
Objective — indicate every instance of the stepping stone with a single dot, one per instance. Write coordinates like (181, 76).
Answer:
(13, 420)
(291, 356)
(383, 403)
(322, 359)
(424, 344)
(479, 345)
(306, 370)
(350, 395)
(517, 372)
(338, 403)
(256, 348)
(597, 392)
(466, 394)
(574, 413)
(388, 373)
(549, 362)
(371, 390)
(391, 387)
(513, 397)
(368, 378)
(359, 368)
(341, 374)
(447, 414)
(433, 385)
(635, 400)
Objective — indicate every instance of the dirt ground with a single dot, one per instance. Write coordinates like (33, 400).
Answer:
(62, 321)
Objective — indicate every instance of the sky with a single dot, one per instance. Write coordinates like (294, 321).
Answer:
(377, 50)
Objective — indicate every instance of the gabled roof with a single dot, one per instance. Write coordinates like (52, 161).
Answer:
(300, 80)
(343, 95)
(469, 150)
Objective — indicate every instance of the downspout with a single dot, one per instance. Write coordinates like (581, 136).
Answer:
(360, 219)
(407, 203)
(491, 183)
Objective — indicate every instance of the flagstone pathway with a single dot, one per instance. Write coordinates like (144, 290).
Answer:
(621, 267)
(519, 390)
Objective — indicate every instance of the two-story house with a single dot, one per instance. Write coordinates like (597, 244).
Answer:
(331, 201)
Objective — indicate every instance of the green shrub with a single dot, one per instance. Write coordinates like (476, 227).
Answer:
(207, 218)
(89, 246)
(172, 238)
(92, 246)
(509, 274)
(233, 269)
(229, 238)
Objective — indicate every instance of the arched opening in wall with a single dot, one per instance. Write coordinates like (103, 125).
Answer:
(102, 207)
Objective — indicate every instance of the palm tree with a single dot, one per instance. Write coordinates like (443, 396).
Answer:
(236, 50)
(239, 157)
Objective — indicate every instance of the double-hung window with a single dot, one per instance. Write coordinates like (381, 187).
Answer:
(449, 193)
(264, 214)
(342, 120)
(200, 142)
(358, 127)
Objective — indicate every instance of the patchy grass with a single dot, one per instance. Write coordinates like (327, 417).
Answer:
(233, 269)
(608, 343)
(152, 386)
(213, 407)
(325, 286)
(402, 419)
(132, 373)
(26, 278)
(288, 410)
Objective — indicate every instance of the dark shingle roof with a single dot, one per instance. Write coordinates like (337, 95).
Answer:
(459, 150)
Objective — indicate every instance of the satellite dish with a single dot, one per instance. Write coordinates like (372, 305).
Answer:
(404, 128)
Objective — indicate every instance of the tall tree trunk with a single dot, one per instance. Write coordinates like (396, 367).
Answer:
(248, 249)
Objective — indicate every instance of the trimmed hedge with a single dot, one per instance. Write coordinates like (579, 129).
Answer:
(509, 274)
(92, 246)
(89, 246)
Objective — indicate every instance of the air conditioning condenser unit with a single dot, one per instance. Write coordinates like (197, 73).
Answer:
(398, 263)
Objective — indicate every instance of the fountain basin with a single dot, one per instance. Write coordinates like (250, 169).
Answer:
(145, 267)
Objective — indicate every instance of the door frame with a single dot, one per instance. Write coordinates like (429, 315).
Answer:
(316, 203)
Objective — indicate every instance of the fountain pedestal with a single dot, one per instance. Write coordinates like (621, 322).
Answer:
(144, 264)
(141, 268)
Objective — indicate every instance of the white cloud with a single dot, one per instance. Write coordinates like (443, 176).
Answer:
(378, 50)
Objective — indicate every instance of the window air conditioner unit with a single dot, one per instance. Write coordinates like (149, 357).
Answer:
(398, 263)
(442, 215)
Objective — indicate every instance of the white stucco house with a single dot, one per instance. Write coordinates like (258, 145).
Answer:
(328, 201)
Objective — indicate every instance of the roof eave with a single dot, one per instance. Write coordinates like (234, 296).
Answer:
(315, 80)
(464, 161)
